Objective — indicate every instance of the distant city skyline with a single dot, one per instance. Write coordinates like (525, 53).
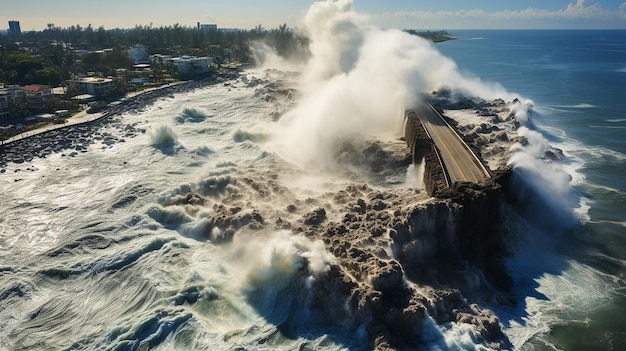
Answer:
(441, 14)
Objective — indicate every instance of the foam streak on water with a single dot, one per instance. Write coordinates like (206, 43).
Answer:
(86, 262)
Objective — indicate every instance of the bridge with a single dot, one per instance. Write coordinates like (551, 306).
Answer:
(457, 161)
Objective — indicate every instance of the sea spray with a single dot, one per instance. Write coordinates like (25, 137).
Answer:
(277, 272)
(164, 139)
(541, 182)
(274, 260)
(192, 115)
(357, 84)
(415, 176)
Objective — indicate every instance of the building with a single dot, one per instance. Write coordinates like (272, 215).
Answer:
(191, 66)
(92, 85)
(14, 27)
(187, 66)
(37, 96)
(13, 92)
(207, 26)
(4, 107)
(160, 59)
(138, 53)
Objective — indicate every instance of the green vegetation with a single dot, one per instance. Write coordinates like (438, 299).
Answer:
(230, 45)
(436, 37)
(55, 55)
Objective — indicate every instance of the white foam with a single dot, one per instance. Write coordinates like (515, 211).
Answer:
(570, 295)
(415, 176)
(621, 224)
(465, 117)
(269, 262)
(584, 105)
(451, 337)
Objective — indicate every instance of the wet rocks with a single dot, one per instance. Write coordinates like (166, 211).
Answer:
(373, 282)
(315, 218)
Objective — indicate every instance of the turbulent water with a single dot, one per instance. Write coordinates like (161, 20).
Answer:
(576, 296)
(196, 229)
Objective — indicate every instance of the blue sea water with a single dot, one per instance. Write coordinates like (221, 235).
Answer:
(577, 82)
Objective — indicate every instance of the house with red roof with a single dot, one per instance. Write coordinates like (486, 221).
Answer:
(37, 96)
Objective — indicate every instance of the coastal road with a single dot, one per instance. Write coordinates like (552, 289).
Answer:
(459, 162)
(79, 118)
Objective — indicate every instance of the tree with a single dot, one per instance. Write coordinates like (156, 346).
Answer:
(22, 63)
(107, 62)
(18, 108)
(55, 104)
(44, 76)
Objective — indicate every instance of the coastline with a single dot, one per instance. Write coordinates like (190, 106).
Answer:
(78, 132)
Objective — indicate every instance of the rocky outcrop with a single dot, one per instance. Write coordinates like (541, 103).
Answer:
(397, 261)
(471, 219)
(428, 247)
(463, 232)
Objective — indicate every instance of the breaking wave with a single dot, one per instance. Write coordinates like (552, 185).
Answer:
(191, 115)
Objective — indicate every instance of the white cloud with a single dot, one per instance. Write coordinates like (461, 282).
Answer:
(578, 10)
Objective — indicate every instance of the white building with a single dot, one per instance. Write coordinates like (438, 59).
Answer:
(138, 53)
(13, 92)
(192, 66)
(92, 85)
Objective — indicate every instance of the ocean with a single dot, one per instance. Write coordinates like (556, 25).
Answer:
(577, 80)
(199, 222)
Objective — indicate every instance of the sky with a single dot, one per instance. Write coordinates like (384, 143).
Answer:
(402, 14)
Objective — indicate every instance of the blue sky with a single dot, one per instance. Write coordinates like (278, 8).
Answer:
(440, 14)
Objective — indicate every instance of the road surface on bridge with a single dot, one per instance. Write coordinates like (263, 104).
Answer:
(458, 160)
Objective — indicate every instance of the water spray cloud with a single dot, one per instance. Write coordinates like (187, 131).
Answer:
(358, 81)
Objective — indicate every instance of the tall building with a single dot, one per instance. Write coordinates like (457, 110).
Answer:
(202, 26)
(14, 27)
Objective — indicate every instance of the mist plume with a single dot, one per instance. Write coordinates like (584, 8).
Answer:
(358, 81)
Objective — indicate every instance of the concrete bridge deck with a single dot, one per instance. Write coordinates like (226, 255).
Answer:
(458, 161)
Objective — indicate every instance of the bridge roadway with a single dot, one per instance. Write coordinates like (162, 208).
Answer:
(459, 162)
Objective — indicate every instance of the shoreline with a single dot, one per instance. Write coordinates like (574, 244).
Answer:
(78, 132)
